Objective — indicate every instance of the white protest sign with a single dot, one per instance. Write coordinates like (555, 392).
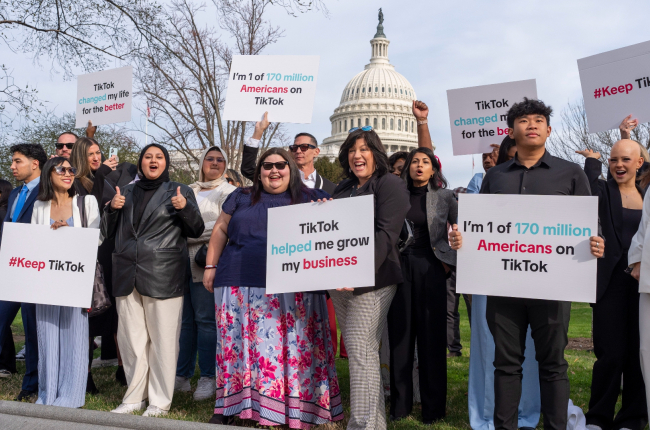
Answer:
(283, 85)
(477, 115)
(105, 97)
(321, 246)
(50, 267)
(527, 246)
(616, 84)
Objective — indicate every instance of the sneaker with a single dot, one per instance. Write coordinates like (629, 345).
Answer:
(154, 411)
(4, 373)
(182, 384)
(26, 396)
(21, 355)
(205, 388)
(127, 408)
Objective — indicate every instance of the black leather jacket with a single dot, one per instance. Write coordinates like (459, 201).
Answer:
(153, 259)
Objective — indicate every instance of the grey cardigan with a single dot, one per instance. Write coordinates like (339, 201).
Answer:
(442, 207)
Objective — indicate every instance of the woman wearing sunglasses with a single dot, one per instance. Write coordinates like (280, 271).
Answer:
(62, 330)
(275, 356)
(361, 312)
(199, 330)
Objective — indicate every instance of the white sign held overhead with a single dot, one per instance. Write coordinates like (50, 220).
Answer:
(477, 115)
(105, 97)
(283, 85)
(527, 246)
(321, 246)
(50, 267)
(616, 84)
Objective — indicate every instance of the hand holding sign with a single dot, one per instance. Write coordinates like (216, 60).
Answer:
(118, 200)
(178, 201)
(261, 126)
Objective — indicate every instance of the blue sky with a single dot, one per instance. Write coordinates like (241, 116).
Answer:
(436, 45)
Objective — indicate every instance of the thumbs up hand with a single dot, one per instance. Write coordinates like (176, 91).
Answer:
(118, 200)
(178, 201)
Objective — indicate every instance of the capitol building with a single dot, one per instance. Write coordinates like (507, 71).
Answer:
(378, 96)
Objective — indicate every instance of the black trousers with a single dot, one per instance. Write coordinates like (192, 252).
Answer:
(419, 311)
(453, 316)
(8, 352)
(508, 320)
(616, 344)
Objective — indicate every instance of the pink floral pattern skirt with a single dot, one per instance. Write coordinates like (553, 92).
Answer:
(275, 358)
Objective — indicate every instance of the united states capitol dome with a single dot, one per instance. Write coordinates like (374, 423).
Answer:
(378, 96)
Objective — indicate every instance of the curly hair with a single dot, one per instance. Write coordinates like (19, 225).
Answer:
(438, 180)
(528, 107)
(31, 150)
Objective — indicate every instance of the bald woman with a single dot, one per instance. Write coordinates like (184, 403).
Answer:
(616, 311)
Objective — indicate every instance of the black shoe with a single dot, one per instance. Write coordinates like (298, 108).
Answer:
(90, 385)
(455, 354)
(220, 419)
(26, 396)
(120, 376)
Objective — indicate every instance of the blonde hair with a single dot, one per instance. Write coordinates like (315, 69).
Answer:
(644, 153)
(79, 159)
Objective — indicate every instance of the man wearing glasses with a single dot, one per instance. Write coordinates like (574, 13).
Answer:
(64, 144)
(304, 150)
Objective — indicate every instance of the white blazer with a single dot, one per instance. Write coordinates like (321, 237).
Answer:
(41, 213)
(640, 241)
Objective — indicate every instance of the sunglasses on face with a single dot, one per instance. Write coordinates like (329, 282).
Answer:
(213, 159)
(304, 147)
(61, 145)
(60, 170)
(280, 165)
(366, 128)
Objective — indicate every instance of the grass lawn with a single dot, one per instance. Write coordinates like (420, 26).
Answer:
(184, 408)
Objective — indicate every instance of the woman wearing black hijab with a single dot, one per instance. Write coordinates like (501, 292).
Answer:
(150, 221)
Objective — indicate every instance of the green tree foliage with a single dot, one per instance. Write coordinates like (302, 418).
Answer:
(48, 126)
(329, 170)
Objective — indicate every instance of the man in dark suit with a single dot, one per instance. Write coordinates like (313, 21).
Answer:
(304, 151)
(27, 161)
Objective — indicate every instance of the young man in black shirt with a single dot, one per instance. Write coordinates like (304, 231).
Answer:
(532, 171)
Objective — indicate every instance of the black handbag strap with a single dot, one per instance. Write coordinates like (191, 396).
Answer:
(82, 211)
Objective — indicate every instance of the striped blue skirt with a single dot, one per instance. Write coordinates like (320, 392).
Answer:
(62, 355)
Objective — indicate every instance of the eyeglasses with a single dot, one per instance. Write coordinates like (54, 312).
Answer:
(280, 165)
(304, 147)
(61, 145)
(213, 159)
(366, 128)
(63, 170)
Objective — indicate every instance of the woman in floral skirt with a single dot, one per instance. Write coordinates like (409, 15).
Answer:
(275, 357)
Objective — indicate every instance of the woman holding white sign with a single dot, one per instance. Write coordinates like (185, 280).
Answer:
(361, 312)
(274, 351)
(419, 308)
(150, 221)
(62, 330)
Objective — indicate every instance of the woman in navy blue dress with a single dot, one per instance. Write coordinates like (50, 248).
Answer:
(275, 356)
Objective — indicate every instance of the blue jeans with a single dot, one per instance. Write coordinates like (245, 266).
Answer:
(8, 311)
(481, 375)
(198, 331)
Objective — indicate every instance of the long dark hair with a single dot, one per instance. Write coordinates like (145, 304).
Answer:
(437, 181)
(506, 144)
(5, 190)
(296, 188)
(374, 144)
(46, 192)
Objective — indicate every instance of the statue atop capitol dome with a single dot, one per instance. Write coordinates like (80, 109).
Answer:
(379, 97)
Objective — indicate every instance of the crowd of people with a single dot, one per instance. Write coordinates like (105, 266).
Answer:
(185, 270)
